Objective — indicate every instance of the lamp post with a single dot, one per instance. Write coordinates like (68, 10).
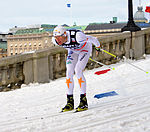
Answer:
(131, 26)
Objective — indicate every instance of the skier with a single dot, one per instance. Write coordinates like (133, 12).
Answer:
(79, 47)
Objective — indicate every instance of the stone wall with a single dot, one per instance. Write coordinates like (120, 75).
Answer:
(49, 64)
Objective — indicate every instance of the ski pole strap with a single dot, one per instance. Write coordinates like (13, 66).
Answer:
(109, 53)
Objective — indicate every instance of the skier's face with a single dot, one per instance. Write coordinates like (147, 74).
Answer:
(60, 39)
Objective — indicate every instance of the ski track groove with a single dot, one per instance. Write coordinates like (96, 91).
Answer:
(97, 107)
(123, 115)
(47, 99)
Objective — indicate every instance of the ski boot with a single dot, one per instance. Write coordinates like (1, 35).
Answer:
(83, 103)
(70, 104)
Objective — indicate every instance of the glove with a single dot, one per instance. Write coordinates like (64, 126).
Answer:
(98, 48)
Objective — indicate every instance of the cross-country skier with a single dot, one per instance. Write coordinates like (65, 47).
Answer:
(79, 47)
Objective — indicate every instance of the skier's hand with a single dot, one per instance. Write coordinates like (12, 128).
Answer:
(98, 48)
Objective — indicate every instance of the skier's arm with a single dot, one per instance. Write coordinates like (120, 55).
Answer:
(81, 38)
(94, 41)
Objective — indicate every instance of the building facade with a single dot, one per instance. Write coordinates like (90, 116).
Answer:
(18, 44)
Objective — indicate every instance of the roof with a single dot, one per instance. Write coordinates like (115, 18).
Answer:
(105, 26)
(142, 24)
(44, 28)
(113, 26)
(77, 27)
(30, 30)
(48, 26)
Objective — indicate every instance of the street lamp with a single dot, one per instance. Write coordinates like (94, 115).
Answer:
(131, 26)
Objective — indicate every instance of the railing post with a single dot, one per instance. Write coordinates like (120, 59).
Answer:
(51, 67)
(138, 44)
(127, 47)
(147, 44)
(4, 76)
(41, 70)
(28, 71)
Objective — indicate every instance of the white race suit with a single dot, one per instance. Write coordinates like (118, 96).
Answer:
(79, 49)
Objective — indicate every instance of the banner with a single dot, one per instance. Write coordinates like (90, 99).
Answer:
(147, 9)
(147, 12)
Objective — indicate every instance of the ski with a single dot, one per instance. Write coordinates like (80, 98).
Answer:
(79, 111)
(66, 111)
(74, 111)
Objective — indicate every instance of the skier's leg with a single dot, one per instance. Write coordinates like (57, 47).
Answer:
(80, 66)
(70, 65)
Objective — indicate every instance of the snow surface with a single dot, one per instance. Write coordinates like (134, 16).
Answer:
(35, 107)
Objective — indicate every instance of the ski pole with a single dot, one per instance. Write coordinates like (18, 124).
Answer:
(138, 68)
(109, 53)
(101, 63)
(126, 61)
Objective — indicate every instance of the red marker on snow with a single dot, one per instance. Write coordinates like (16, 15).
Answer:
(102, 72)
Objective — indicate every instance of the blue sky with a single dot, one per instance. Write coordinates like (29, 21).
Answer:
(27, 12)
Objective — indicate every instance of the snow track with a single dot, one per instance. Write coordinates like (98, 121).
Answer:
(116, 111)
(97, 115)
(35, 107)
(125, 114)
